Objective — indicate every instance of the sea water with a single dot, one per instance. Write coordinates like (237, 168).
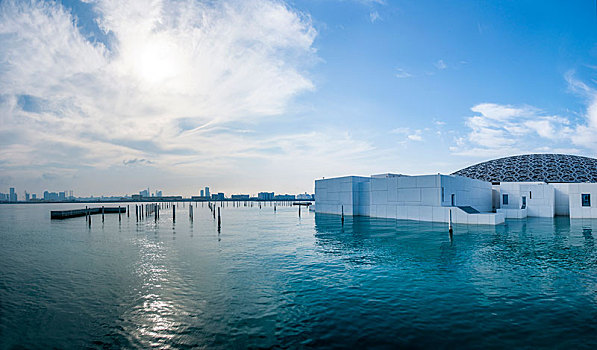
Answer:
(274, 279)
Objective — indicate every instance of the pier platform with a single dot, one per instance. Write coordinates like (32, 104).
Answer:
(66, 214)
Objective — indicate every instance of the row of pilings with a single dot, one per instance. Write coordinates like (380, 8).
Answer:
(148, 211)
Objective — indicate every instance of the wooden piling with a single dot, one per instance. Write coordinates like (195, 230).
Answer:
(219, 220)
(127, 211)
(342, 218)
(102, 213)
(450, 230)
(173, 212)
(119, 218)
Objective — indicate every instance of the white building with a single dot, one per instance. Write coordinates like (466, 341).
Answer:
(537, 185)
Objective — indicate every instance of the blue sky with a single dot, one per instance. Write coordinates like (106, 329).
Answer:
(109, 97)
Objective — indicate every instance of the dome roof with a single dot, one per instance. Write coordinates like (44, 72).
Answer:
(534, 167)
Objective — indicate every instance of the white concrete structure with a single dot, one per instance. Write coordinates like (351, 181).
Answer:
(423, 198)
(547, 200)
(468, 201)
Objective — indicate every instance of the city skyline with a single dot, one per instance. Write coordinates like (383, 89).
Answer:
(13, 195)
(103, 96)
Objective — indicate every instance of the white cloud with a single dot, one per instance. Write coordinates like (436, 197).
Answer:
(441, 65)
(412, 135)
(374, 16)
(504, 129)
(401, 73)
(72, 103)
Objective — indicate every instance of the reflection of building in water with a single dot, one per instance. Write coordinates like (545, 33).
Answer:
(535, 185)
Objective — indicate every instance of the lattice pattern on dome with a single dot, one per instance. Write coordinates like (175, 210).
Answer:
(534, 168)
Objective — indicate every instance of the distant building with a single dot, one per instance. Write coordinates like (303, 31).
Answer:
(3, 197)
(265, 196)
(61, 196)
(240, 196)
(27, 196)
(202, 193)
(285, 197)
(144, 193)
(50, 196)
(304, 196)
(217, 196)
(158, 193)
(206, 191)
(33, 196)
(13, 195)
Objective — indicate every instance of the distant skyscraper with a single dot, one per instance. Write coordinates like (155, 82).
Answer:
(202, 193)
(144, 193)
(13, 195)
(26, 196)
(158, 193)
(33, 196)
(61, 196)
(206, 191)
(265, 196)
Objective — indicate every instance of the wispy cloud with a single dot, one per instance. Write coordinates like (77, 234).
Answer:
(74, 103)
(441, 65)
(410, 134)
(498, 129)
(401, 73)
(374, 16)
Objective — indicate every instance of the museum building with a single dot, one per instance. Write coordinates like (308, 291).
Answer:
(532, 185)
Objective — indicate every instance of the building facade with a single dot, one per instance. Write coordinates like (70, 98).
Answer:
(541, 185)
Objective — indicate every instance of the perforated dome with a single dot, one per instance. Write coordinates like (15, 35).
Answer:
(534, 168)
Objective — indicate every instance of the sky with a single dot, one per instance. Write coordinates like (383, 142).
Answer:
(111, 97)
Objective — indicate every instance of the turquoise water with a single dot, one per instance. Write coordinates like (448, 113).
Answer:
(276, 280)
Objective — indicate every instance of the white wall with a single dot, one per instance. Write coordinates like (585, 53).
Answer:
(540, 197)
(337, 194)
(467, 192)
(562, 200)
(407, 197)
(574, 195)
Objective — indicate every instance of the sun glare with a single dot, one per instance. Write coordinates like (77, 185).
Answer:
(158, 61)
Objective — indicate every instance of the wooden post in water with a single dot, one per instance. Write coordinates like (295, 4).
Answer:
(191, 212)
(89, 220)
(219, 220)
(155, 213)
(173, 212)
(127, 211)
(102, 213)
(299, 211)
(342, 218)
(119, 218)
(450, 230)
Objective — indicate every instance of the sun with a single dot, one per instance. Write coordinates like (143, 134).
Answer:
(158, 61)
